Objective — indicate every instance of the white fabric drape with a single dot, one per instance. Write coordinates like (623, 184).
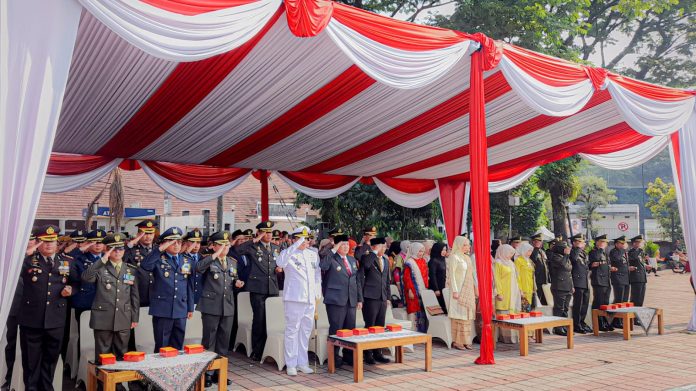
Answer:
(395, 67)
(317, 193)
(649, 116)
(407, 200)
(63, 183)
(177, 37)
(630, 157)
(510, 183)
(188, 193)
(546, 99)
(36, 45)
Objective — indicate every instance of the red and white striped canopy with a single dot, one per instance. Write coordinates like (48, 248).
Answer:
(309, 87)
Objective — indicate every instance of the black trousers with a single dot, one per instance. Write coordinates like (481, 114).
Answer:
(541, 296)
(235, 322)
(340, 317)
(40, 352)
(581, 300)
(374, 313)
(600, 297)
(258, 323)
(11, 348)
(638, 293)
(561, 301)
(216, 333)
(108, 341)
(620, 293)
(168, 332)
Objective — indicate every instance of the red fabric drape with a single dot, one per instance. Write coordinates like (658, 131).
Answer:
(480, 203)
(318, 181)
(326, 99)
(674, 139)
(264, 195)
(548, 70)
(195, 175)
(64, 164)
(411, 186)
(195, 7)
(452, 203)
(651, 91)
(168, 105)
(307, 18)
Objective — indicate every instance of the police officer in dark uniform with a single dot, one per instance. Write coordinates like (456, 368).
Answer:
(560, 270)
(376, 279)
(136, 250)
(238, 238)
(619, 274)
(581, 295)
(92, 252)
(116, 305)
(217, 298)
(172, 293)
(343, 292)
(637, 272)
(45, 289)
(261, 282)
(191, 247)
(541, 271)
(364, 248)
(600, 278)
(515, 241)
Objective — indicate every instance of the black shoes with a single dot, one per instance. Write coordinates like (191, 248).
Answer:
(579, 330)
(587, 328)
(338, 362)
(560, 331)
(368, 358)
(381, 359)
(208, 380)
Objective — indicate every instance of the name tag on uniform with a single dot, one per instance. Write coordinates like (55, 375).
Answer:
(186, 268)
(64, 268)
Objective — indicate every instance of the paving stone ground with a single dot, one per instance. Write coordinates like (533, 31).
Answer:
(650, 362)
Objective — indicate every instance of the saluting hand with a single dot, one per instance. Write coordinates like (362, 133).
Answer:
(84, 247)
(165, 245)
(135, 240)
(32, 249)
(67, 249)
(258, 236)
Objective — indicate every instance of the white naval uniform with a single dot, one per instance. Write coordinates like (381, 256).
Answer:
(301, 290)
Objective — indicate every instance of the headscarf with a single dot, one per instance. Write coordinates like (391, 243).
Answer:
(352, 244)
(504, 253)
(428, 244)
(436, 250)
(404, 248)
(413, 250)
(459, 242)
(523, 249)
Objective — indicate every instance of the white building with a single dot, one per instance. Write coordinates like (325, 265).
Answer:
(615, 220)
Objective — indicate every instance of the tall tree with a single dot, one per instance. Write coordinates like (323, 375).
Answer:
(593, 194)
(560, 181)
(664, 207)
(526, 218)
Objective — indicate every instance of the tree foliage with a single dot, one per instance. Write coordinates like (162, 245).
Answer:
(526, 218)
(559, 179)
(593, 194)
(664, 207)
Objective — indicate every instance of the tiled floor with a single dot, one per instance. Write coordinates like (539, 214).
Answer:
(606, 362)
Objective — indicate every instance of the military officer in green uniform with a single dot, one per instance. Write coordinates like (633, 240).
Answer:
(116, 304)
(600, 278)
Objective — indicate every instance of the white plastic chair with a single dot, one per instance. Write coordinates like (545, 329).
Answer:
(359, 319)
(318, 343)
(446, 294)
(405, 324)
(145, 333)
(394, 291)
(438, 326)
(72, 353)
(244, 319)
(194, 329)
(275, 330)
(86, 346)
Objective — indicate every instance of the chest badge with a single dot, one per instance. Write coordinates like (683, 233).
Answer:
(166, 274)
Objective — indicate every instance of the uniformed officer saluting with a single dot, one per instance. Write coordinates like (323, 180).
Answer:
(217, 298)
(376, 280)
(364, 247)
(581, 294)
(342, 291)
(136, 250)
(44, 305)
(171, 295)
(190, 248)
(116, 304)
(560, 270)
(601, 284)
(619, 274)
(541, 271)
(90, 252)
(637, 272)
(261, 281)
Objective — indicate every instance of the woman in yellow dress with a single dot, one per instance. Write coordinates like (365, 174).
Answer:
(525, 275)
(507, 291)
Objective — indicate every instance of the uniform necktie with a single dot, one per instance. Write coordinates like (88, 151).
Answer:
(118, 268)
(50, 262)
(347, 265)
(381, 264)
(223, 260)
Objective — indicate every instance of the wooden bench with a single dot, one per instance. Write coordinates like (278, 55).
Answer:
(627, 318)
(524, 325)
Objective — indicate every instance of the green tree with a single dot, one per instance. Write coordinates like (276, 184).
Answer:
(559, 180)
(664, 207)
(593, 194)
(526, 218)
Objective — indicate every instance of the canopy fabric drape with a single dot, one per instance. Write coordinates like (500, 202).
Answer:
(309, 89)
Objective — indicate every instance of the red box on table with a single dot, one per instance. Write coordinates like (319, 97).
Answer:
(612, 307)
(194, 348)
(394, 327)
(375, 329)
(360, 331)
(525, 315)
(536, 314)
(629, 305)
(134, 356)
(344, 333)
(620, 305)
(604, 307)
(515, 316)
(502, 317)
(106, 359)
(168, 352)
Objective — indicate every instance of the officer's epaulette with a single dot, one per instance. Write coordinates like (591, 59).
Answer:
(67, 257)
(132, 265)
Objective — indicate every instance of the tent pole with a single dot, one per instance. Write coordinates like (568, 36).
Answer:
(480, 203)
(264, 194)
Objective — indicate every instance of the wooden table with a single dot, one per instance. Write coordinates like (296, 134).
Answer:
(376, 341)
(523, 326)
(110, 378)
(627, 318)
